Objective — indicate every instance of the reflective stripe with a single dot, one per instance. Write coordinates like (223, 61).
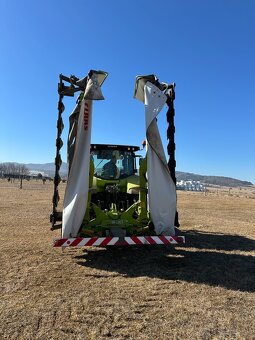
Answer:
(157, 239)
(110, 241)
(129, 240)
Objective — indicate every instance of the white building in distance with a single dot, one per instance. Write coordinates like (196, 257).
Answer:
(190, 185)
(35, 173)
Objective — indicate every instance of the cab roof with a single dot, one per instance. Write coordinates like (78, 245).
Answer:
(114, 147)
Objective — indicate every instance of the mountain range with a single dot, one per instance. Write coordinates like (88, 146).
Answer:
(212, 180)
(49, 169)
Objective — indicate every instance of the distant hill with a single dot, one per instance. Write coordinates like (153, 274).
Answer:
(213, 180)
(49, 168)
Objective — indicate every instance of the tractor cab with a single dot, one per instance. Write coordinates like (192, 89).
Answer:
(113, 162)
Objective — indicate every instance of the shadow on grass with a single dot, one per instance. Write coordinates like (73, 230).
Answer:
(215, 268)
(219, 241)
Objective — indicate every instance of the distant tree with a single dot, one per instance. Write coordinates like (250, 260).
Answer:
(13, 170)
(2, 169)
(39, 176)
(22, 171)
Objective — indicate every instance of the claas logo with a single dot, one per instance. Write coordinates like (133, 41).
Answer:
(86, 116)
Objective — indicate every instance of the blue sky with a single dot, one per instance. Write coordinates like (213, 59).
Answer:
(206, 47)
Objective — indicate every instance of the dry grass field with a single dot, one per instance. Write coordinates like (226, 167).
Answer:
(203, 290)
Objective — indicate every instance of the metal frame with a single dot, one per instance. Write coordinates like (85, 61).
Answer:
(171, 140)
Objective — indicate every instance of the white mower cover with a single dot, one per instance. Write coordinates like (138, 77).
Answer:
(161, 188)
(76, 193)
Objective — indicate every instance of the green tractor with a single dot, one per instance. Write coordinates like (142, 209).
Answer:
(117, 200)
